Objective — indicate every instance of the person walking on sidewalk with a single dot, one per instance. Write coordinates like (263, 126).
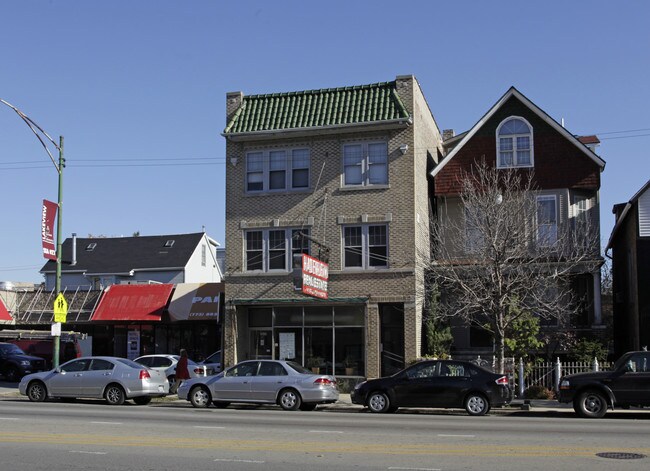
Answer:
(182, 372)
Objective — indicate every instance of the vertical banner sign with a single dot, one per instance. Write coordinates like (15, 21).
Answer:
(48, 215)
(314, 277)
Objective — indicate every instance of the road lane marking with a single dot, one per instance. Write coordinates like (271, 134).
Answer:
(240, 461)
(207, 426)
(8, 418)
(416, 469)
(455, 436)
(89, 452)
(325, 431)
(107, 423)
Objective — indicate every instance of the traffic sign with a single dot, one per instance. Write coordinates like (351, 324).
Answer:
(60, 308)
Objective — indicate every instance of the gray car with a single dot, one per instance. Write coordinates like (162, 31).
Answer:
(285, 383)
(114, 379)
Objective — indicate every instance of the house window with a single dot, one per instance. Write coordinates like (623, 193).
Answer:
(203, 255)
(271, 249)
(474, 240)
(299, 246)
(546, 220)
(514, 143)
(277, 170)
(365, 246)
(365, 164)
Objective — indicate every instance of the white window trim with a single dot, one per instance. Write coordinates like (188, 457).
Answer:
(365, 166)
(514, 144)
(288, 255)
(288, 170)
(557, 220)
(365, 251)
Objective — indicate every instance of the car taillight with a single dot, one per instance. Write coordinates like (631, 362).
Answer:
(144, 374)
(503, 380)
(198, 371)
(325, 382)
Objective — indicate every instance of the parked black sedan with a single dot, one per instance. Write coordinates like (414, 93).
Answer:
(436, 383)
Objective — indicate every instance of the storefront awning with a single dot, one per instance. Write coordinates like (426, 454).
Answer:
(133, 303)
(196, 301)
(4, 313)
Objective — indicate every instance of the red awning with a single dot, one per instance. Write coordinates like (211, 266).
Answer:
(4, 313)
(133, 303)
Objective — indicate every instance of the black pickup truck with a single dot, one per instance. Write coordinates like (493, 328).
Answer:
(14, 363)
(626, 385)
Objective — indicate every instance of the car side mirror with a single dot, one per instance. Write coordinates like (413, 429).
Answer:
(59, 370)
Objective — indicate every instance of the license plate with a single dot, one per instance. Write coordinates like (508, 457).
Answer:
(161, 388)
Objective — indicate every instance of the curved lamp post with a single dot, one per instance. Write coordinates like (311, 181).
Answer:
(44, 138)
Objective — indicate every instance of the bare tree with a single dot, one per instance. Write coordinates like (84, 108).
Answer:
(503, 255)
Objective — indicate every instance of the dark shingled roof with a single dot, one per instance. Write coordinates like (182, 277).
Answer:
(123, 254)
(376, 102)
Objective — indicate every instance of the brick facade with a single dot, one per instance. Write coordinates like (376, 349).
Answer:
(403, 204)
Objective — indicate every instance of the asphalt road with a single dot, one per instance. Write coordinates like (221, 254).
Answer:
(91, 435)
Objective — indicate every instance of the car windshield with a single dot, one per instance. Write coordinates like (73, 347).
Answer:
(130, 363)
(299, 368)
(11, 349)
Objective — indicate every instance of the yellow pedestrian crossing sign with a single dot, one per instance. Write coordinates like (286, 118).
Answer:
(60, 308)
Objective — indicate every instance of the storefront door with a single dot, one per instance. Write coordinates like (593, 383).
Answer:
(261, 344)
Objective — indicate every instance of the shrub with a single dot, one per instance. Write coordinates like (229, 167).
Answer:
(538, 392)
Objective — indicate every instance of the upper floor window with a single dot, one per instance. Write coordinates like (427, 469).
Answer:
(365, 246)
(277, 170)
(365, 164)
(203, 255)
(273, 249)
(546, 220)
(514, 143)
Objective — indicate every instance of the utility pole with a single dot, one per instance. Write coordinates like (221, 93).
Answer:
(57, 338)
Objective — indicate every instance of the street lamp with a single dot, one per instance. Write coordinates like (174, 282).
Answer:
(42, 136)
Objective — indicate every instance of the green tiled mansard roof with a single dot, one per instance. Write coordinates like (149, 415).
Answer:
(315, 108)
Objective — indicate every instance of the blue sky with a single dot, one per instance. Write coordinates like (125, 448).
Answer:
(137, 88)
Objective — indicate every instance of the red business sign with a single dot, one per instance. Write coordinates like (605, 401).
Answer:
(48, 214)
(315, 275)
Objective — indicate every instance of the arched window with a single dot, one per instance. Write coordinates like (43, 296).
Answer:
(514, 143)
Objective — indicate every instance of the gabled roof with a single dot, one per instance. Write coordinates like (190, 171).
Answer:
(328, 107)
(626, 210)
(123, 255)
(535, 109)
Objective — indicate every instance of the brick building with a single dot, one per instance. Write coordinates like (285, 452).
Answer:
(341, 174)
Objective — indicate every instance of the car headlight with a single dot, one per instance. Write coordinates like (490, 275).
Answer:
(358, 386)
(25, 362)
(564, 384)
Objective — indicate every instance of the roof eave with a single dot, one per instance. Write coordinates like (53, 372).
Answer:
(332, 129)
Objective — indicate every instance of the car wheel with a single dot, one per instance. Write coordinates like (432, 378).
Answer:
(36, 391)
(114, 395)
(477, 404)
(290, 399)
(220, 404)
(591, 404)
(11, 374)
(200, 397)
(308, 406)
(379, 402)
(142, 400)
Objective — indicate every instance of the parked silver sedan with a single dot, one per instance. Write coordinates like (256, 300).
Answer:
(285, 383)
(114, 379)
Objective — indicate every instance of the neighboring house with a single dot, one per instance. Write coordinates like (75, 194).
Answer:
(517, 134)
(340, 174)
(133, 295)
(630, 253)
(103, 261)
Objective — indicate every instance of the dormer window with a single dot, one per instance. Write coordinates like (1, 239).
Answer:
(169, 243)
(514, 143)
(90, 247)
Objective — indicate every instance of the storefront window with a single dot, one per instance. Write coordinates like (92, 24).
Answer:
(318, 349)
(288, 316)
(348, 353)
(318, 315)
(260, 317)
(349, 315)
